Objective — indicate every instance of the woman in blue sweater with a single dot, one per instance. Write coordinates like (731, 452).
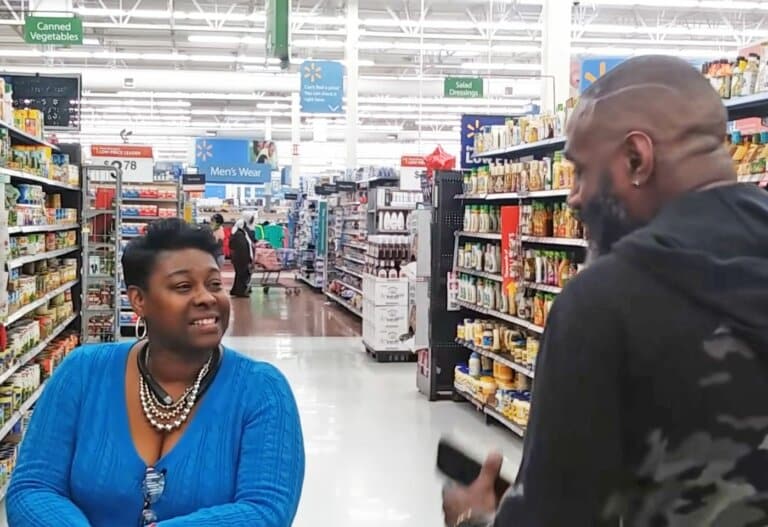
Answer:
(172, 430)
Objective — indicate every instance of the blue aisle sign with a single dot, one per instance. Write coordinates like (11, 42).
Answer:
(238, 161)
(593, 69)
(471, 125)
(322, 86)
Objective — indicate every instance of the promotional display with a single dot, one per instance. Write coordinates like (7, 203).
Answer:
(471, 125)
(239, 161)
(134, 162)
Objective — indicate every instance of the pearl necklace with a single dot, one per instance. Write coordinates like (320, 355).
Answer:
(168, 417)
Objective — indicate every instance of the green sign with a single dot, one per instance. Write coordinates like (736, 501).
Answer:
(278, 31)
(465, 87)
(53, 30)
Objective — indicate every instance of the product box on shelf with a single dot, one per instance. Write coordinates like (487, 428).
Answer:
(389, 317)
(384, 338)
(385, 291)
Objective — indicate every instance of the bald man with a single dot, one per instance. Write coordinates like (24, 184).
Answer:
(650, 404)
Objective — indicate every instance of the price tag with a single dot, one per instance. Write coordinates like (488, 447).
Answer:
(135, 162)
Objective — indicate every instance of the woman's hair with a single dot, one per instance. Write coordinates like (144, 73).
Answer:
(172, 234)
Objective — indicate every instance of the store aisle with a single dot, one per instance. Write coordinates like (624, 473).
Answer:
(370, 437)
(277, 314)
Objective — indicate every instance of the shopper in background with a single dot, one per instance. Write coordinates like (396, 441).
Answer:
(217, 227)
(651, 394)
(241, 242)
(173, 428)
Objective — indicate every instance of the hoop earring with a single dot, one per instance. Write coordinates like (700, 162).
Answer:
(141, 324)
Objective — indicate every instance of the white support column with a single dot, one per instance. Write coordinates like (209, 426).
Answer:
(353, 71)
(268, 128)
(555, 53)
(295, 139)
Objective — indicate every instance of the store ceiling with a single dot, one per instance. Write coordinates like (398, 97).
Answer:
(201, 65)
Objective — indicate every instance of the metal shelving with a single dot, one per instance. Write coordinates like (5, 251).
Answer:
(498, 358)
(503, 316)
(344, 303)
(24, 138)
(479, 235)
(549, 240)
(22, 260)
(490, 411)
(43, 300)
(482, 274)
(29, 229)
(525, 149)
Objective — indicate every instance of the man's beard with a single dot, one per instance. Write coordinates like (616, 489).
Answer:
(606, 218)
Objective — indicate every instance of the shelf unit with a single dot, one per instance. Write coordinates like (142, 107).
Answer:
(345, 304)
(23, 138)
(498, 358)
(29, 229)
(489, 411)
(43, 300)
(479, 235)
(22, 260)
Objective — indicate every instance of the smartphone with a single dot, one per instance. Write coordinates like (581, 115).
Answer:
(462, 468)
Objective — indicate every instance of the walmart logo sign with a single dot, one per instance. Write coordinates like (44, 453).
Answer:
(471, 125)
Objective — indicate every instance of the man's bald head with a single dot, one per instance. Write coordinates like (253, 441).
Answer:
(646, 132)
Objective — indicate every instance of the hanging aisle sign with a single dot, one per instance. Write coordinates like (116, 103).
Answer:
(322, 86)
(135, 162)
(237, 161)
(464, 87)
(53, 30)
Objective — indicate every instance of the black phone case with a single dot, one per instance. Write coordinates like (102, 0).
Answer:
(462, 468)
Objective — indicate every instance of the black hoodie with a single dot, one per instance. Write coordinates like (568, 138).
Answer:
(650, 401)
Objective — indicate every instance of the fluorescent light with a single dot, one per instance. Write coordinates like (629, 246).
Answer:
(325, 44)
(86, 102)
(127, 110)
(91, 42)
(225, 39)
(451, 24)
(477, 66)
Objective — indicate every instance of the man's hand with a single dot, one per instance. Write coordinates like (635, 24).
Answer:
(479, 498)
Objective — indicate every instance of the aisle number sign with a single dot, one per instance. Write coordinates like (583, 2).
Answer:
(53, 30)
(322, 86)
(135, 162)
(463, 87)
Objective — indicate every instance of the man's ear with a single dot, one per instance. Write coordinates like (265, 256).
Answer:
(638, 148)
(136, 297)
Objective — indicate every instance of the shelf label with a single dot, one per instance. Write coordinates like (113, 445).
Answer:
(463, 87)
(53, 30)
(510, 246)
(135, 162)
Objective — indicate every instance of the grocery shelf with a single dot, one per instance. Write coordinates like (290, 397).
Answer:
(489, 411)
(498, 358)
(22, 260)
(19, 314)
(350, 272)
(302, 278)
(18, 174)
(556, 193)
(480, 235)
(141, 218)
(570, 242)
(18, 414)
(347, 286)
(358, 246)
(481, 274)
(29, 355)
(353, 259)
(350, 204)
(26, 229)
(149, 200)
(503, 316)
(26, 139)
(480, 197)
(755, 105)
(525, 149)
(544, 287)
(344, 304)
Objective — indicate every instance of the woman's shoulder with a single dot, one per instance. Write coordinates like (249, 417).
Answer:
(98, 353)
(257, 377)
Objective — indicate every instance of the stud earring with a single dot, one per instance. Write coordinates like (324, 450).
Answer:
(636, 183)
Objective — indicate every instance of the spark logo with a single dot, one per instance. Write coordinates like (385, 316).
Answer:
(313, 72)
(473, 128)
(204, 151)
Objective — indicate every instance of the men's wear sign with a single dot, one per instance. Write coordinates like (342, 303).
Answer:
(322, 86)
(53, 30)
(135, 162)
(470, 126)
(237, 161)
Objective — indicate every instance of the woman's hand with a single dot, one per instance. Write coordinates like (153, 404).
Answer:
(479, 499)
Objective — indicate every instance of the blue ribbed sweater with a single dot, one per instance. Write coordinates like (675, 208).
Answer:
(239, 462)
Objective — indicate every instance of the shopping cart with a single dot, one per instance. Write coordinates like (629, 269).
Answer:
(268, 263)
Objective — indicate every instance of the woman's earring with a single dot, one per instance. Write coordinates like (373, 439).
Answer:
(141, 324)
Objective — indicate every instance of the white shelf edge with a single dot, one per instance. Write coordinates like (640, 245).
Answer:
(344, 284)
(544, 287)
(487, 410)
(348, 271)
(569, 242)
(22, 260)
(302, 278)
(37, 179)
(343, 304)
(39, 347)
(18, 315)
(523, 149)
(498, 358)
(25, 229)
(353, 259)
(481, 274)
(16, 416)
(503, 316)
(480, 235)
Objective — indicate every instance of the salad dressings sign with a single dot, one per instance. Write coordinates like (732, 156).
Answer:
(135, 162)
(470, 126)
(53, 30)
(322, 86)
(463, 87)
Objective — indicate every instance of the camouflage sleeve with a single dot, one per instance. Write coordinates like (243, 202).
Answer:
(572, 454)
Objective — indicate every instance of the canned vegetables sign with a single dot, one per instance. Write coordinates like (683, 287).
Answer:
(53, 30)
